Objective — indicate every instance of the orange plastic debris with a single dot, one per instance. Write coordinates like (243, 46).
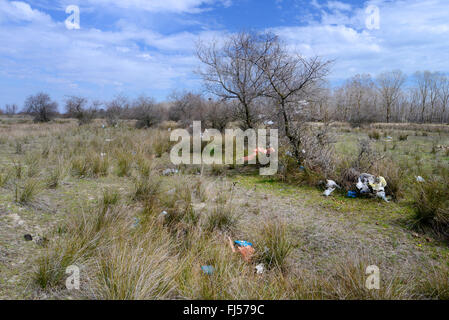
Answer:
(247, 252)
(256, 151)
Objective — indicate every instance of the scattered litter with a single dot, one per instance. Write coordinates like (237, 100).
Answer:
(379, 185)
(168, 172)
(420, 179)
(169, 129)
(242, 243)
(103, 155)
(260, 268)
(109, 140)
(328, 191)
(257, 151)
(244, 247)
(164, 213)
(388, 139)
(302, 168)
(28, 237)
(331, 185)
(136, 222)
(269, 122)
(207, 269)
(381, 194)
(364, 181)
(352, 194)
(288, 153)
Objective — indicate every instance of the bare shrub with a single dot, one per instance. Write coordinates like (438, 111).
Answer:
(41, 107)
(146, 112)
(76, 107)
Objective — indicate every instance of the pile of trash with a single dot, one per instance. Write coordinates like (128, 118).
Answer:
(367, 184)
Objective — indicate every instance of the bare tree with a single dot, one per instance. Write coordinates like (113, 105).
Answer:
(444, 97)
(389, 85)
(231, 73)
(117, 109)
(423, 81)
(11, 109)
(41, 107)
(146, 112)
(361, 99)
(187, 107)
(218, 114)
(291, 80)
(77, 108)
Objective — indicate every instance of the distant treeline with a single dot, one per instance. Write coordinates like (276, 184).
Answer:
(254, 78)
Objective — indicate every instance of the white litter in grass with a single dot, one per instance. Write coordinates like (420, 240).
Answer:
(420, 179)
(168, 172)
(332, 184)
(328, 191)
(381, 194)
(260, 268)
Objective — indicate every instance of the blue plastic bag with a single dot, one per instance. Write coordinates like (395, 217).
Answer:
(242, 243)
(352, 194)
(207, 269)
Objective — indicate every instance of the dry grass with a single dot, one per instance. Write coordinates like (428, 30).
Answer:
(147, 236)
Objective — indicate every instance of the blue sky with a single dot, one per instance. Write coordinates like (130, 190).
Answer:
(135, 47)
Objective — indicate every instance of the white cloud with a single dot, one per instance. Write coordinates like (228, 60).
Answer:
(337, 5)
(126, 57)
(176, 6)
(88, 61)
(21, 11)
(413, 36)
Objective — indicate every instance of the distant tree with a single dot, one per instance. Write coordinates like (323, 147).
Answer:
(187, 107)
(444, 97)
(218, 114)
(116, 109)
(11, 109)
(41, 107)
(389, 86)
(427, 92)
(360, 100)
(146, 112)
(76, 107)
